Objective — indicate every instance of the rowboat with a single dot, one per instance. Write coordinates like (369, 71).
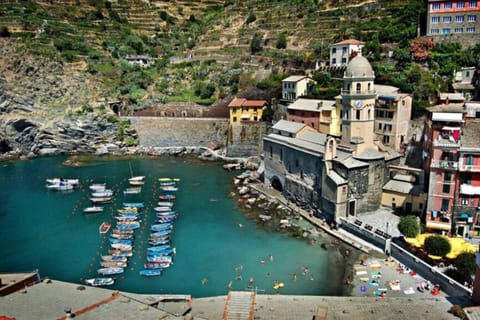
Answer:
(166, 179)
(135, 190)
(167, 204)
(101, 199)
(150, 272)
(157, 265)
(167, 183)
(93, 209)
(158, 242)
(122, 241)
(128, 210)
(102, 193)
(159, 258)
(162, 209)
(118, 231)
(161, 227)
(169, 188)
(162, 214)
(104, 227)
(121, 246)
(168, 196)
(110, 270)
(133, 204)
(114, 258)
(120, 252)
(113, 264)
(97, 187)
(136, 178)
(99, 282)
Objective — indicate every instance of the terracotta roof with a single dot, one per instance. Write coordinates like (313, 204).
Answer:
(348, 41)
(237, 102)
(254, 103)
(240, 102)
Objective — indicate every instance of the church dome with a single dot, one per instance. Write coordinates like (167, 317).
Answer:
(359, 67)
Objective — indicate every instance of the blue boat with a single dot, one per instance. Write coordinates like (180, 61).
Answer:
(150, 272)
(158, 248)
(161, 227)
(128, 226)
(133, 204)
(164, 213)
(164, 252)
(159, 241)
(159, 258)
(121, 241)
(161, 233)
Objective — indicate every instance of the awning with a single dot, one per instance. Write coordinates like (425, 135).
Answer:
(469, 190)
(464, 215)
(245, 116)
(451, 128)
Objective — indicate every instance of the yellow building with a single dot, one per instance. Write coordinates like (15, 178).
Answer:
(243, 110)
(403, 191)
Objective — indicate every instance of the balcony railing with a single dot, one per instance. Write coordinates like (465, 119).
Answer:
(469, 167)
(438, 225)
(358, 92)
(442, 142)
(444, 164)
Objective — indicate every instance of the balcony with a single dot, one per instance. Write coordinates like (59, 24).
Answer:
(359, 93)
(444, 164)
(468, 167)
(448, 143)
(438, 225)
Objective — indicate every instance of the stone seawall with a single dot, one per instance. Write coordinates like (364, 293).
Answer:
(171, 132)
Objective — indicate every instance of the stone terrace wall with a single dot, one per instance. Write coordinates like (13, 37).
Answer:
(171, 132)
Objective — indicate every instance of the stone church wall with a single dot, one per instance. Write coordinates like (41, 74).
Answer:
(245, 139)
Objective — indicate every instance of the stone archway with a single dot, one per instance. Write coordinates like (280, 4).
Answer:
(277, 184)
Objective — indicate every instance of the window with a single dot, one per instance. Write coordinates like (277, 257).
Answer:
(447, 19)
(359, 87)
(459, 19)
(472, 4)
(379, 126)
(446, 31)
(344, 50)
(344, 60)
(234, 119)
(386, 140)
(458, 30)
(447, 176)
(446, 188)
(461, 4)
(445, 204)
(357, 115)
(296, 163)
(271, 151)
(469, 160)
(435, 19)
(471, 18)
(447, 5)
(435, 6)
(465, 201)
(334, 61)
(471, 29)
(334, 50)
(466, 179)
(434, 31)
(281, 154)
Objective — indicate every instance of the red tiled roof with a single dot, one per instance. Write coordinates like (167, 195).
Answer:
(348, 41)
(240, 102)
(237, 102)
(254, 103)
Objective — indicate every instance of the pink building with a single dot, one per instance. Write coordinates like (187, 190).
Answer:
(315, 113)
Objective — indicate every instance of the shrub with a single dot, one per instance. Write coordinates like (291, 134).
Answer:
(465, 263)
(256, 43)
(251, 17)
(282, 41)
(4, 32)
(112, 119)
(437, 245)
(409, 226)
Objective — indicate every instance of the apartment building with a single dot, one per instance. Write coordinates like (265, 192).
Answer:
(453, 17)
(342, 52)
(294, 87)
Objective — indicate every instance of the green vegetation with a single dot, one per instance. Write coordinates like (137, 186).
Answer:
(437, 245)
(409, 226)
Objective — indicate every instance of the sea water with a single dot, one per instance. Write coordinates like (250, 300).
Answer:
(217, 248)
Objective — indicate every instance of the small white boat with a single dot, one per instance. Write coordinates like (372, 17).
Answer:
(103, 193)
(135, 190)
(168, 204)
(110, 270)
(136, 178)
(98, 282)
(162, 209)
(101, 199)
(60, 186)
(95, 187)
(93, 209)
(169, 188)
(72, 182)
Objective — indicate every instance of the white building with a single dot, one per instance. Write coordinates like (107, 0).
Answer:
(341, 52)
(294, 87)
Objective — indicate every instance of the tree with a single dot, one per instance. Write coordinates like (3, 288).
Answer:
(437, 245)
(251, 17)
(409, 226)
(256, 43)
(282, 41)
(465, 263)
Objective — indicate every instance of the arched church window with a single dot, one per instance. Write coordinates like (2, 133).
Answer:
(358, 115)
(359, 87)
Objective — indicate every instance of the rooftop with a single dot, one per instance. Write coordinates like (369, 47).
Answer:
(471, 132)
(312, 105)
(295, 78)
(447, 108)
(348, 41)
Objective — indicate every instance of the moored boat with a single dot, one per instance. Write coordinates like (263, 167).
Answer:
(121, 246)
(93, 209)
(169, 188)
(97, 187)
(162, 209)
(167, 204)
(60, 186)
(103, 193)
(150, 272)
(99, 282)
(168, 196)
(101, 199)
(104, 227)
(133, 204)
(110, 270)
(72, 182)
(135, 190)
(110, 264)
(157, 265)
(118, 252)
(114, 258)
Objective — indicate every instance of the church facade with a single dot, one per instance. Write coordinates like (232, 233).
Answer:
(339, 176)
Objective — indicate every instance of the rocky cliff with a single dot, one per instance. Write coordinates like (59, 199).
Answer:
(45, 107)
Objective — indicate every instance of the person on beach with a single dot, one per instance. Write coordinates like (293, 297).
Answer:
(294, 277)
(271, 258)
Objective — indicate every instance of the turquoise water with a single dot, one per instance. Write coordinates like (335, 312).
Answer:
(47, 230)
